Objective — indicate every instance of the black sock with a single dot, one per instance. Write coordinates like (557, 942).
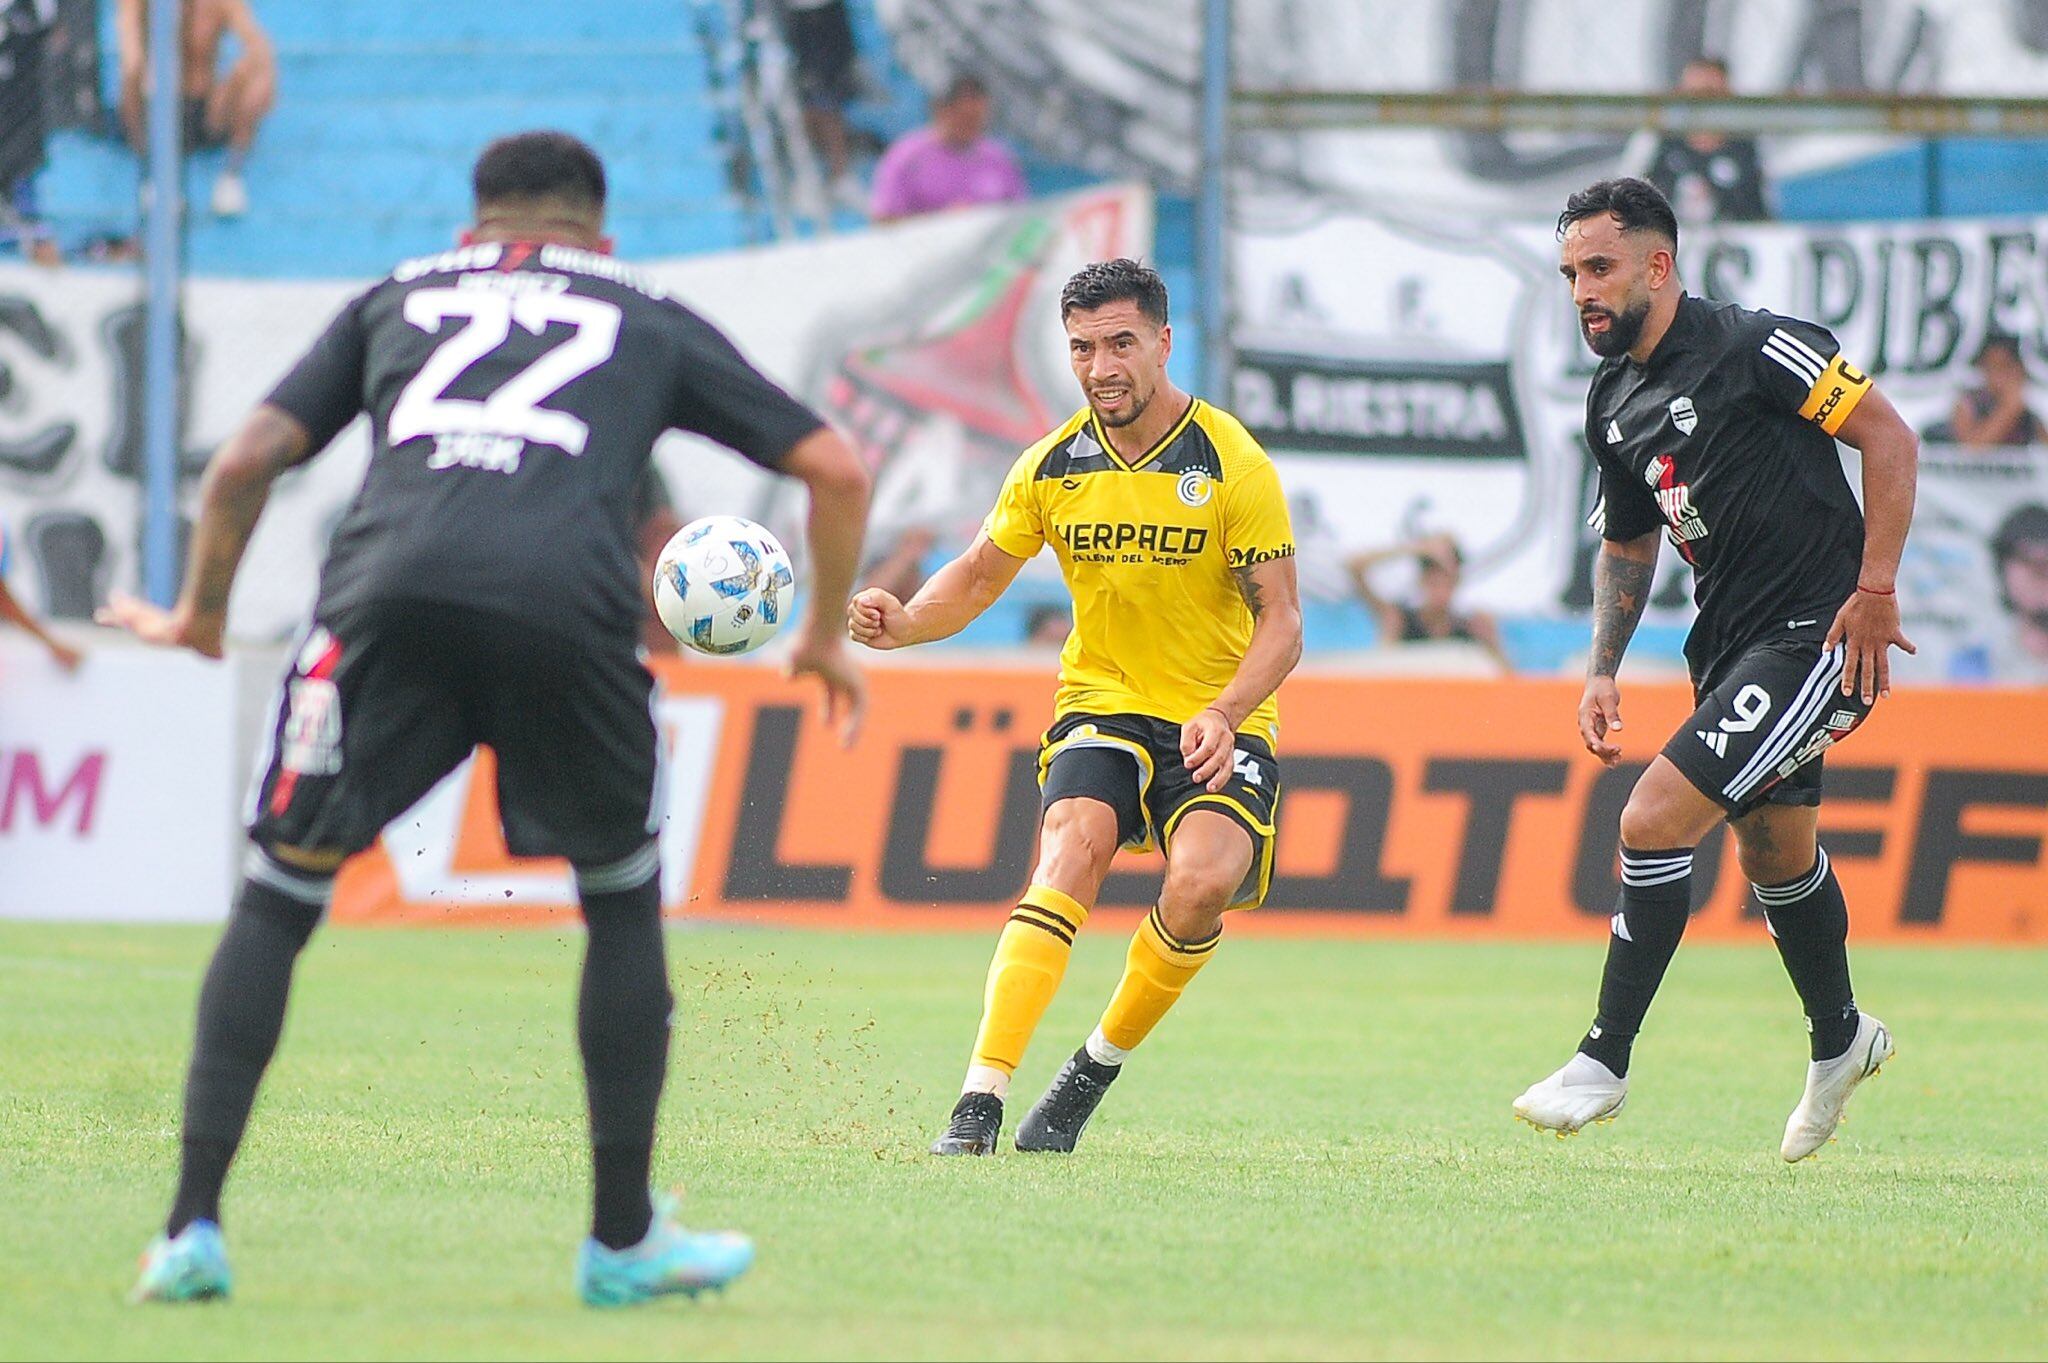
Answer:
(1649, 920)
(241, 1014)
(1810, 922)
(622, 1019)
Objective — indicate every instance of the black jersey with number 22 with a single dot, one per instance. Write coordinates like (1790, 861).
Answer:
(1725, 440)
(515, 394)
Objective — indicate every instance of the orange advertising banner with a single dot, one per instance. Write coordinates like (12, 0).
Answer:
(1414, 807)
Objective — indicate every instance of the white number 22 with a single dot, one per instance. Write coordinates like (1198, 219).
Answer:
(515, 409)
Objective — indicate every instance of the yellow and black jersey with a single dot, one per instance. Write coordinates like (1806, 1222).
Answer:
(1147, 548)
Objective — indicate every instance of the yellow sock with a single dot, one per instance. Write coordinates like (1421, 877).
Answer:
(1031, 958)
(1158, 967)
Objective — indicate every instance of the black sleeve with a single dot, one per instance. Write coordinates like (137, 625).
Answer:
(1626, 510)
(324, 390)
(1747, 200)
(1661, 172)
(720, 395)
(1787, 358)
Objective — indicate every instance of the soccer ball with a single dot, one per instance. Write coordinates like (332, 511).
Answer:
(723, 585)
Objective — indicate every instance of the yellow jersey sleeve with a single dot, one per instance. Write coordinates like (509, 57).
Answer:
(1016, 524)
(1256, 527)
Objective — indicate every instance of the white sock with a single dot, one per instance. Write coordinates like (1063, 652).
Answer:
(1102, 1052)
(1584, 1069)
(986, 1079)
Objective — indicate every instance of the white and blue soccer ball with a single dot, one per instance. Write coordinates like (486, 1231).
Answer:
(723, 585)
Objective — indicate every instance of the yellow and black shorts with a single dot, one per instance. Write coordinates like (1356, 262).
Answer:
(1132, 763)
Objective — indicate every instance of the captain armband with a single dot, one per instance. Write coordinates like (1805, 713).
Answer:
(1835, 395)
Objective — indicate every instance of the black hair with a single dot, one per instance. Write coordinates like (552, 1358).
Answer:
(1999, 340)
(962, 84)
(2027, 524)
(539, 165)
(1122, 280)
(1637, 204)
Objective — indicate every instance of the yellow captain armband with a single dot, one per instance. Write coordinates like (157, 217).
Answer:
(1840, 388)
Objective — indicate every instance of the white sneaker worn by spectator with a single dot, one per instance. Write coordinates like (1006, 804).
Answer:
(1828, 1086)
(230, 196)
(1583, 1091)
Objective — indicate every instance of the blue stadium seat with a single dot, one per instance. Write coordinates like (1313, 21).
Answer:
(382, 106)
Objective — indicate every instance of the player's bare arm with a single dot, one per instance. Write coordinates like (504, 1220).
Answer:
(839, 487)
(1621, 590)
(230, 500)
(1273, 595)
(947, 603)
(1868, 623)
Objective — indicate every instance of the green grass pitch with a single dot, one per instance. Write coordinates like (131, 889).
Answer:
(1312, 1157)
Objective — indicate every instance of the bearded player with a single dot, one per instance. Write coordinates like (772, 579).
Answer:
(1172, 533)
(1715, 427)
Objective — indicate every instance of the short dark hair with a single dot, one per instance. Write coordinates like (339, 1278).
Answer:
(539, 165)
(1122, 280)
(2028, 524)
(962, 84)
(1637, 204)
(1999, 340)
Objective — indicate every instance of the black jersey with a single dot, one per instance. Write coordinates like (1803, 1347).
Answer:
(1725, 438)
(515, 394)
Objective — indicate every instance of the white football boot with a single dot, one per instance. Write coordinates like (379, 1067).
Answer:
(1828, 1086)
(1583, 1091)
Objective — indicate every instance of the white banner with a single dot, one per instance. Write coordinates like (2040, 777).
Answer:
(1421, 376)
(935, 343)
(118, 785)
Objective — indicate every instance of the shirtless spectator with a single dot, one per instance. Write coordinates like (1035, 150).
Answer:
(1993, 414)
(219, 110)
(1440, 567)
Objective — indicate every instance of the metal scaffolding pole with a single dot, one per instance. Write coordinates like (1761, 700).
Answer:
(1212, 205)
(160, 353)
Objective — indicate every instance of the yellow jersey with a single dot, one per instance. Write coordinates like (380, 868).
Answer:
(1147, 548)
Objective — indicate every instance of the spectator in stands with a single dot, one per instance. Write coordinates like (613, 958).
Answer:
(14, 613)
(1710, 177)
(2019, 562)
(1995, 412)
(26, 27)
(1432, 619)
(900, 568)
(219, 110)
(950, 163)
(820, 38)
(1047, 627)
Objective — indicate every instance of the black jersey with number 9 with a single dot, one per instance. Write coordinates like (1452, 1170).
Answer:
(515, 394)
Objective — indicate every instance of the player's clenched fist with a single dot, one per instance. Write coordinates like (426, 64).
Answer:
(876, 618)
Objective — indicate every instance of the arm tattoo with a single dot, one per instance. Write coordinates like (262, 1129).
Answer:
(1249, 588)
(1621, 588)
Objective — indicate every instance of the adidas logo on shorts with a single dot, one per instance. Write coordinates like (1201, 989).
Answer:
(1714, 739)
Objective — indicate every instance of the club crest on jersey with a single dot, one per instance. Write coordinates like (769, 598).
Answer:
(1194, 488)
(1684, 415)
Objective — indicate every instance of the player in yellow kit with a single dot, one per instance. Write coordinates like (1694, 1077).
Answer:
(1171, 531)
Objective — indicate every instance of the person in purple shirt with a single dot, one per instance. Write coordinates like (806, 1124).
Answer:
(950, 163)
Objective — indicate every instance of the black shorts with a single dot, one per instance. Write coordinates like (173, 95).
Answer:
(821, 41)
(1763, 723)
(199, 135)
(1132, 763)
(386, 699)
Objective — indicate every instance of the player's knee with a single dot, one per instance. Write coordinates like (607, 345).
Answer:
(1649, 823)
(1199, 890)
(1078, 837)
(1773, 863)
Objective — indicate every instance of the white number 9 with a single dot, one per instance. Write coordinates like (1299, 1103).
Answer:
(1750, 705)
